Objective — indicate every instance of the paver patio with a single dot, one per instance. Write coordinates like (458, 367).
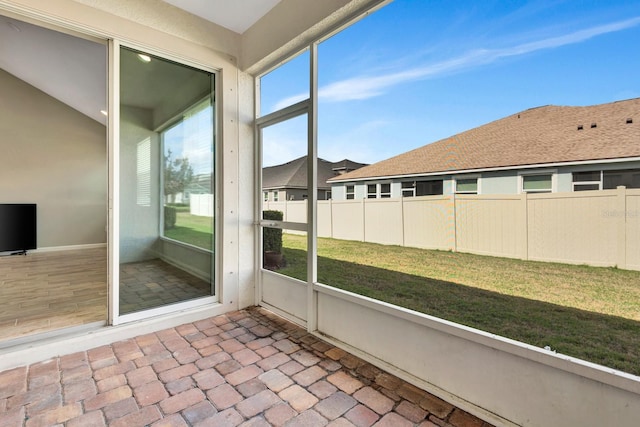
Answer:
(247, 368)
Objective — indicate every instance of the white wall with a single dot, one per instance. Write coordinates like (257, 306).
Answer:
(55, 157)
(139, 225)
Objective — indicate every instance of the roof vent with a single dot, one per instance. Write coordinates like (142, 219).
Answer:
(580, 127)
(594, 125)
(629, 120)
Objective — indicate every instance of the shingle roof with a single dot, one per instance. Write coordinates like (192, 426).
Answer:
(540, 135)
(293, 174)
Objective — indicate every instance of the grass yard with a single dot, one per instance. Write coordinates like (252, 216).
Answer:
(587, 312)
(192, 229)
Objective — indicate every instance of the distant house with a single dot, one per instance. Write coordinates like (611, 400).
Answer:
(544, 149)
(288, 181)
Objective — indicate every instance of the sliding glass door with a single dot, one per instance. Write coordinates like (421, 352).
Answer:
(167, 183)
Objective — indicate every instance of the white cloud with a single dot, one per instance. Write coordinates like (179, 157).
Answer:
(364, 87)
(289, 101)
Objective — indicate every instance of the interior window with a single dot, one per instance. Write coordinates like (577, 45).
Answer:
(188, 176)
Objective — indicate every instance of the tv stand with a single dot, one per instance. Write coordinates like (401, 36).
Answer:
(22, 252)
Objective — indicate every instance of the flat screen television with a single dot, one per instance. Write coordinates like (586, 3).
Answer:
(18, 230)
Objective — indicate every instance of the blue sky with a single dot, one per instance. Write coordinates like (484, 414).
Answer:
(418, 71)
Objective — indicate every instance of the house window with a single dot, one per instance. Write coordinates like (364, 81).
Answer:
(188, 176)
(467, 186)
(429, 188)
(372, 191)
(409, 189)
(629, 178)
(265, 196)
(422, 188)
(606, 180)
(143, 171)
(585, 181)
(351, 193)
(276, 196)
(385, 191)
(378, 191)
(537, 183)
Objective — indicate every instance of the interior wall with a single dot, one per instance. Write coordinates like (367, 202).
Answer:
(56, 157)
(139, 224)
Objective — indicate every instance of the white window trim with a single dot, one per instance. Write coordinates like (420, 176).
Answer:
(347, 192)
(412, 189)
(552, 172)
(378, 193)
(476, 176)
(599, 183)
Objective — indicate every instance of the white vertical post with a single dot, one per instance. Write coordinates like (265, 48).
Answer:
(621, 208)
(113, 131)
(312, 185)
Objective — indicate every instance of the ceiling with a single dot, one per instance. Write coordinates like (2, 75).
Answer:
(236, 15)
(73, 70)
(68, 68)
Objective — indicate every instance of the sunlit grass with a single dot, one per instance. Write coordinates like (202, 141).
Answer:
(192, 229)
(587, 312)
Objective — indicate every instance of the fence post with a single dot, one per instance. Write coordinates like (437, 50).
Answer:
(525, 203)
(402, 218)
(455, 221)
(331, 218)
(364, 221)
(620, 214)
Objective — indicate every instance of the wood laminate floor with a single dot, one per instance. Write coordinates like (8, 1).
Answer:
(47, 291)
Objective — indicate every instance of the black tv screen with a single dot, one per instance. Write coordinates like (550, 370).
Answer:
(18, 231)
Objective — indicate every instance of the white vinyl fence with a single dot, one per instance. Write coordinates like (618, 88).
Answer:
(201, 204)
(600, 228)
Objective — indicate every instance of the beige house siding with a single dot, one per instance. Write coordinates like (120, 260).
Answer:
(599, 228)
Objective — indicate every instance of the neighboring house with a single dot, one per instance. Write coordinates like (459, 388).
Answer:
(288, 181)
(544, 149)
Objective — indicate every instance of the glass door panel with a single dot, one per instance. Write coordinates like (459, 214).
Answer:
(167, 189)
(285, 197)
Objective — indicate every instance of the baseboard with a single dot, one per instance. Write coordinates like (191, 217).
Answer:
(182, 266)
(69, 248)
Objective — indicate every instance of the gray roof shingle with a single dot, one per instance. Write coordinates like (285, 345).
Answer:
(293, 174)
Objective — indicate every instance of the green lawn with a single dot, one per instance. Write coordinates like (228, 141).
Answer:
(587, 312)
(192, 229)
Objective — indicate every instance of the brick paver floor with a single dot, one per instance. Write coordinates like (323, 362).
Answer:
(247, 368)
